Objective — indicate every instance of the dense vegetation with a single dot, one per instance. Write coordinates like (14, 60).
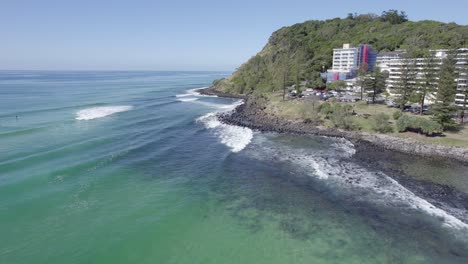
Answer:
(301, 51)
(418, 124)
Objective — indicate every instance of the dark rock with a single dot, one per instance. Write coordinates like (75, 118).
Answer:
(251, 114)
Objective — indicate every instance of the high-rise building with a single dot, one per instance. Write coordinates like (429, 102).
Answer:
(394, 62)
(462, 80)
(384, 59)
(347, 61)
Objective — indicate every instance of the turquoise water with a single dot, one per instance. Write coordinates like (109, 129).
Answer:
(133, 167)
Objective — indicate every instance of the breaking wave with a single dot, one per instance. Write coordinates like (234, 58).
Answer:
(194, 93)
(187, 99)
(330, 166)
(101, 111)
(235, 137)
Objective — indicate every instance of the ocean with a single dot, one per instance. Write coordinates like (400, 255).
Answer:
(135, 167)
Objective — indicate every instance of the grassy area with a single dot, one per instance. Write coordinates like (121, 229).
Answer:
(459, 138)
(294, 109)
(290, 108)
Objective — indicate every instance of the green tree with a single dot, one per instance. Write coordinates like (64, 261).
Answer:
(394, 17)
(404, 86)
(426, 84)
(446, 91)
(326, 109)
(381, 123)
(418, 124)
(397, 114)
(317, 81)
(341, 117)
(375, 84)
(311, 43)
(285, 77)
(361, 81)
(336, 85)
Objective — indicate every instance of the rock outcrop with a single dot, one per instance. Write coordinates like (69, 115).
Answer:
(251, 114)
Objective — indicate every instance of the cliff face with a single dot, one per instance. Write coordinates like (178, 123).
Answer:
(299, 52)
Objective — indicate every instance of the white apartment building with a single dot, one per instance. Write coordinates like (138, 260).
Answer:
(393, 64)
(384, 59)
(462, 80)
(345, 59)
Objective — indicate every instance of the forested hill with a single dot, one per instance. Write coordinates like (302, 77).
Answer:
(298, 52)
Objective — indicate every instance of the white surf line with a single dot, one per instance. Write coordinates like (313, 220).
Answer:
(358, 180)
(234, 137)
(183, 99)
(101, 111)
(194, 92)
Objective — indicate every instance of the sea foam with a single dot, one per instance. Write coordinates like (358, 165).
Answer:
(101, 111)
(183, 99)
(376, 187)
(194, 93)
(235, 137)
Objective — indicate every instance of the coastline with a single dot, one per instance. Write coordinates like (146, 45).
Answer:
(370, 149)
(250, 114)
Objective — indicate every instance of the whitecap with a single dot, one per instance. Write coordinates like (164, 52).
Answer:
(101, 111)
(363, 184)
(221, 107)
(385, 189)
(187, 99)
(194, 93)
(235, 137)
(183, 95)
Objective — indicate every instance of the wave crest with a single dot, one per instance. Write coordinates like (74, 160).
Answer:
(330, 166)
(235, 137)
(101, 111)
(187, 99)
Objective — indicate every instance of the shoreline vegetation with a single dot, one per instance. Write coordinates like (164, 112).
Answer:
(256, 113)
(297, 58)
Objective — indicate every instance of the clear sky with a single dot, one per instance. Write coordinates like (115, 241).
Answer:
(169, 35)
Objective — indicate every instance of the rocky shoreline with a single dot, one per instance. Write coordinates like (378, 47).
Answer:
(212, 91)
(251, 114)
(370, 150)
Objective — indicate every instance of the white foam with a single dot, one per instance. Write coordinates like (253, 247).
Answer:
(194, 93)
(187, 99)
(235, 137)
(183, 95)
(101, 111)
(363, 184)
(221, 107)
(345, 145)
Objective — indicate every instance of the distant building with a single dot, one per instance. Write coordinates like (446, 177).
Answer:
(384, 59)
(462, 80)
(367, 57)
(392, 63)
(347, 61)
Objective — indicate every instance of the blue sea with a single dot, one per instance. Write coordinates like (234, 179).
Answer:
(135, 167)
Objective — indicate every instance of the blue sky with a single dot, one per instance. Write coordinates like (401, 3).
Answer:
(169, 35)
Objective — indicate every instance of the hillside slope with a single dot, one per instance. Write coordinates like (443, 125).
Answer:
(299, 52)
